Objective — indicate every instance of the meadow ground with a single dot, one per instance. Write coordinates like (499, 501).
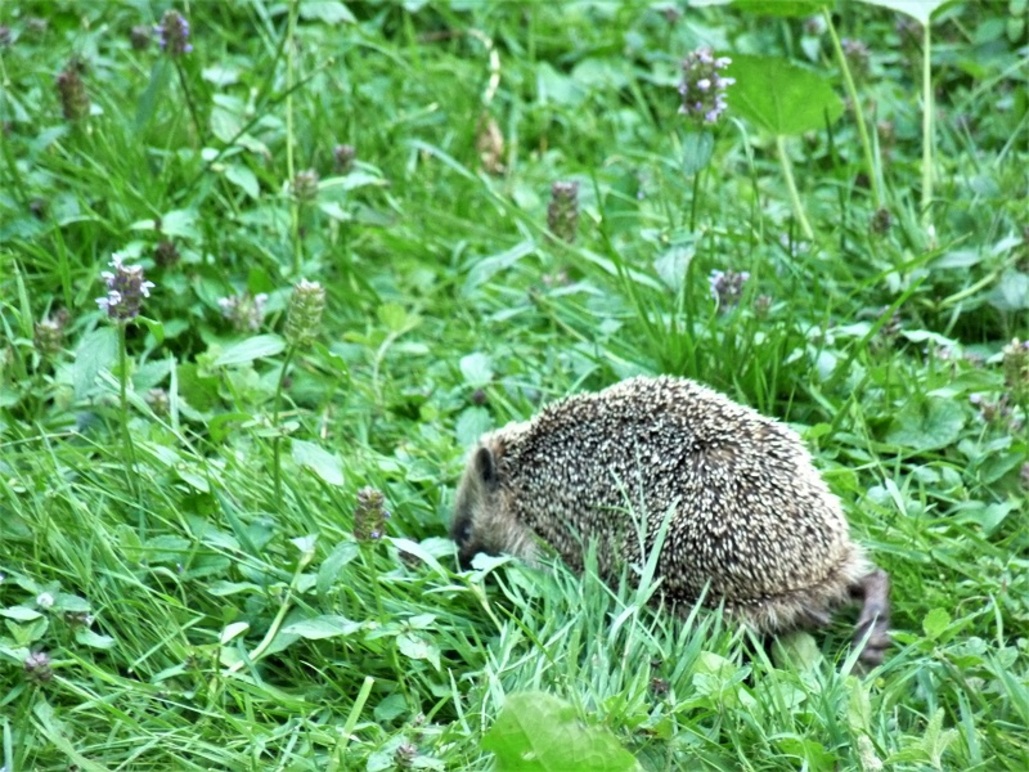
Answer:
(375, 230)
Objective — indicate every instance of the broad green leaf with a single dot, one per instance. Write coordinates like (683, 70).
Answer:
(936, 623)
(20, 613)
(1011, 293)
(697, 148)
(248, 350)
(146, 107)
(98, 350)
(920, 10)
(673, 263)
(181, 223)
(477, 370)
(781, 97)
(94, 640)
(329, 570)
(485, 267)
(472, 424)
(325, 626)
(327, 11)
(790, 8)
(326, 465)
(556, 87)
(927, 424)
(396, 318)
(418, 647)
(242, 177)
(233, 631)
(537, 732)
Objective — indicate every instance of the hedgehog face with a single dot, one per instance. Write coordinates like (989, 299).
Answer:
(483, 519)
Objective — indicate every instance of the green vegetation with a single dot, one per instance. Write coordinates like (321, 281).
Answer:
(344, 213)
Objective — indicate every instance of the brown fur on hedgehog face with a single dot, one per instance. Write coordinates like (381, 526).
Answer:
(749, 517)
(483, 520)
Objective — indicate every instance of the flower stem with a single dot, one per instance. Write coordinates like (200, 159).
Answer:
(123, 388)
(848, 82)
(694, 202)
(791, 185)
(294, 206)
(927, 132)
(277, 440)
(193, 112)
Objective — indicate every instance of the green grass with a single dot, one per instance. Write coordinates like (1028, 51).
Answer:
(196, 615)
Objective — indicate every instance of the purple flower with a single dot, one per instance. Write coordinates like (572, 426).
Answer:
(38, 667)
(344, 156)
(126, 289)
(703, 88)
(563, 211)
(727, 287)
(173, 34)
(305, 186)
(72, 91)
(370, 515)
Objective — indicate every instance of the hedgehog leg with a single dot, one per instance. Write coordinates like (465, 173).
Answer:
(873, 590)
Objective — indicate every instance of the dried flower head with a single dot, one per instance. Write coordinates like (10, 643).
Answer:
(38, 667)
(815, 26)
(244, 311)
(48, 335)
(489, 142)
(659, 686)
(140, 36)
(563, 210)
(304, 315)
(166, 253)
(370, 515)
(159, 401)
(126, 288)
(72, 91)
(762, 306)
(727, 288)
(405, 755)
(78, 619)
(703, 87)
(857, 54)
(343, 156)
(305, 186)
(173, 34)
(37, 25)
(992, 411)
(881, 222)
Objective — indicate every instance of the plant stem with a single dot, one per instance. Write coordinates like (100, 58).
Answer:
(193, 112)
(294, 205)
(123, 388)
(927, 133)
(791, 185)
(277, 440)
(848, 82)
(693, 203)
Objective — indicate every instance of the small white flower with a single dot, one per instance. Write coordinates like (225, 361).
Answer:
(45, 600)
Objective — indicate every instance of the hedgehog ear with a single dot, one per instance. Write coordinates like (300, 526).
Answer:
(486, 468)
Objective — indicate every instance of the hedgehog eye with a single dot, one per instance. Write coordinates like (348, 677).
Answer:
(462, 532)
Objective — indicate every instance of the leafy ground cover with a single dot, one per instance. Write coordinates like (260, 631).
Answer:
(375, 230)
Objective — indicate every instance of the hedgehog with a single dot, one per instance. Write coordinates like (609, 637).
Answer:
(741, 518)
